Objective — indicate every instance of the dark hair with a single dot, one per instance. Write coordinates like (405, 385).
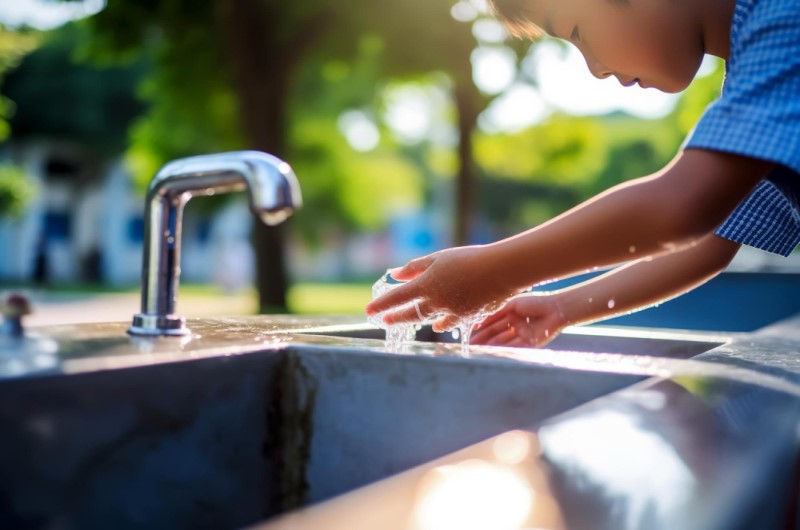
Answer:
(516, 17)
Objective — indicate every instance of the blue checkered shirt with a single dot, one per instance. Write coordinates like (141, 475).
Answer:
(758, 115)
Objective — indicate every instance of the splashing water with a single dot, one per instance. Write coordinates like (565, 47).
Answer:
(399, 335)
(396, 334)
(464, 326)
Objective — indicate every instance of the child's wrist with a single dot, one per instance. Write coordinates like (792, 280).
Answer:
(515, 277)
(574, 308)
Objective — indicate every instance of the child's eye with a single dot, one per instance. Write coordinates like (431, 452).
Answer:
(575, 36)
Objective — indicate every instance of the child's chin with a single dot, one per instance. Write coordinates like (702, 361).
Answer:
(672, 88)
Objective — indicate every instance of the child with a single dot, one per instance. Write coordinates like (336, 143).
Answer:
(736, 180)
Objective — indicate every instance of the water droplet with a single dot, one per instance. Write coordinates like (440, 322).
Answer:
(590, 300)
(547, 333)
(528, 320)
(631, 249)
(611, 304)
(455, 333)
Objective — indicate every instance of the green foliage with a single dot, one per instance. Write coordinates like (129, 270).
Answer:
(562, 150)
(566, 160)
(420, 36)
(348, 189)
(338, 53)
(344, 55)
(16, 191)
(58, 97)
(329, 298)
(353, 190)
(700, 94)
(637, 147)
(169, 130)
(14, 45)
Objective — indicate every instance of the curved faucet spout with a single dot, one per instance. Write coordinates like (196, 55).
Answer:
(274, 194)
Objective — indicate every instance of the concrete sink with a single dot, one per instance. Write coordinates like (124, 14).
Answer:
(248, 418)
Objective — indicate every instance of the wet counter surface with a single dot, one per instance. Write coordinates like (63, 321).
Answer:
(250, 418)
(710, 443)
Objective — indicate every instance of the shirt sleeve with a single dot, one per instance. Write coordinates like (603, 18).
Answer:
(758, 113)
(767, 219)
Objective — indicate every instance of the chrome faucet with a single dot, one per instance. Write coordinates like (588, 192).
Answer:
(274, 195)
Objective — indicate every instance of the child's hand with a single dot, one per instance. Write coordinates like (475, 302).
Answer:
(445, 286)
(528, 320)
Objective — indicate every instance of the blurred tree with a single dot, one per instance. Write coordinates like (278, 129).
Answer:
(542, 170)
(14, 45)
(637, 147)
(702, 92)
(561, 150)
(567, 159)
(214, 57)
(57, 96)
(424, 36)
(15, 189)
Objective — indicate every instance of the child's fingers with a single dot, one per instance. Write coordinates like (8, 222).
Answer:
(445, 323)
(491, 319)
(403, 315)
(486, 333)
(538, 339)
(396, 297)
(412, 269)
(519, 342)
(505, 337)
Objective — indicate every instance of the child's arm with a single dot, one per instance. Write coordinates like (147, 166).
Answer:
(535, 319)
(645, 217)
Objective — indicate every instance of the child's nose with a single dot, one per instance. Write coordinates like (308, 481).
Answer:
(597, 69)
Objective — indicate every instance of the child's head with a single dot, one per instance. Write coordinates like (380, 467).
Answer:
(655, 43)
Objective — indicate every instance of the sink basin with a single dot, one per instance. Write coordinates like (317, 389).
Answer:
(205, 440)
(629, 341)
(251, 417)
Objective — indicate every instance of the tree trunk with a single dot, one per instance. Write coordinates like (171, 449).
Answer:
(465, 99)
(260, 74)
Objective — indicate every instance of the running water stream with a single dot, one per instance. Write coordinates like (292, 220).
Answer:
(399, 335)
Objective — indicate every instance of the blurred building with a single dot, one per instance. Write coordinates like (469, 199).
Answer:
(86, 224)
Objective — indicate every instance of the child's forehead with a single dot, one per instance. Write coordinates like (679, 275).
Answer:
(555, 17)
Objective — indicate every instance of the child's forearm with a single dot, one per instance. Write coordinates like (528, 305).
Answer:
(644, 283)
(646, 217)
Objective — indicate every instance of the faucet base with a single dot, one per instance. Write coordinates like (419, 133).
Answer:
(158, 325)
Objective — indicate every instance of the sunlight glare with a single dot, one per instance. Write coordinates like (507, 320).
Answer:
(44, 15)
(616, 454)
(408, 112)
(517, 108)
(473, 495)
(489, 31)
(463, 11)
(567, 84)
(512, 447)
(360, 131)
(493, 68)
